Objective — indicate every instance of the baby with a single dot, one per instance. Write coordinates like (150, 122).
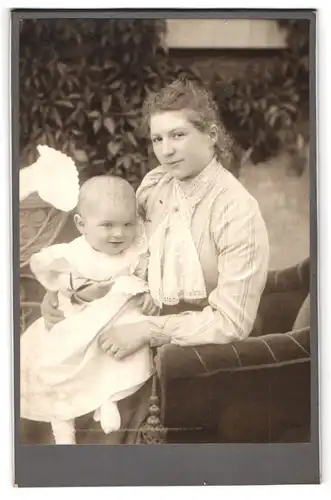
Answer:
(100, 278)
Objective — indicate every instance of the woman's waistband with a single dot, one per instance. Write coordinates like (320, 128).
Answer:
(180, 308)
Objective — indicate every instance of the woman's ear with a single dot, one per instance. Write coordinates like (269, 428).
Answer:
(79, 223)
(213, 132)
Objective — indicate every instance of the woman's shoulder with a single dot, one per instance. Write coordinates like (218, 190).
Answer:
(231, 191)
(147, 188)
(153, 176)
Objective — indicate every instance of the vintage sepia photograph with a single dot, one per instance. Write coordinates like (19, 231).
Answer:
(165, 236)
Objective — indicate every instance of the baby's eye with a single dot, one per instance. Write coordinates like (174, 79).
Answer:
(107, 224)
(128, 224)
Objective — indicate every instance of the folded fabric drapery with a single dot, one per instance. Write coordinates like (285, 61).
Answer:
(173, 254)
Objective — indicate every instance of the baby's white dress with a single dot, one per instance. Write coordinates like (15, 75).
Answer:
(64, 373)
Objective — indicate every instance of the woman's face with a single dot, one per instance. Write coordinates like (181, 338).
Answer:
(179, 145)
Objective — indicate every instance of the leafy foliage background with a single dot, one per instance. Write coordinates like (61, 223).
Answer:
(82, 85)
(83, 82)
(265, 109)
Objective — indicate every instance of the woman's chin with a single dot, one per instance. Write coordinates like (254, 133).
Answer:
(181, 175)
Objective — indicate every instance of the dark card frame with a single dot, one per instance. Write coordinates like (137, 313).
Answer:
(155, 465)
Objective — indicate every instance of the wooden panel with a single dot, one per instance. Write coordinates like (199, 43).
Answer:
(224, 33)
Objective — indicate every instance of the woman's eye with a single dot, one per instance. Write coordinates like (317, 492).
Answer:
(179, 134)
(128, 224)
(156, 139)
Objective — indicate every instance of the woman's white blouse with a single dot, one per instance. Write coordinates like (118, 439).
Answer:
(232, 244)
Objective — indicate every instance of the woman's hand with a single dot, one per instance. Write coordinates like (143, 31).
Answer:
(122, 340)
(49, 310)
(159, 341)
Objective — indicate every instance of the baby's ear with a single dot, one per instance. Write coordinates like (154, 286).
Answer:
(79, 221)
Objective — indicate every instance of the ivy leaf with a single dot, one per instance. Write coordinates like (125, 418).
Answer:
(104, 40)
(50, 140)
(110, 125)
(70, 85)
(97, 125)
(80, 119)
(133, 122)
(106, 103)
(80, 155)
(290, 107)
(62, 68)
(132, 138)
(272, 119)
(65, 104)
(109, 64)
(127, 162)
(135, 99)
(126, 37)
(113, 147)
(79, 37)
(116, 84)
(56, 117)
(93, 114)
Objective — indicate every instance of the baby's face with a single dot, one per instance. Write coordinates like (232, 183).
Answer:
(110, 227)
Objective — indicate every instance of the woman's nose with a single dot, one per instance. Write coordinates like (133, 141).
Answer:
(167, 148)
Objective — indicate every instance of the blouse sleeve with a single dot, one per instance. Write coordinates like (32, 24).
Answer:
(142, 266)
(52, 268)
(242, 242)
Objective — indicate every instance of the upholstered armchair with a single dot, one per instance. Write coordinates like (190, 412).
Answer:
(257, 390)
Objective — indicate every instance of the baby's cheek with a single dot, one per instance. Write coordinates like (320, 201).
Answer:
(132, 233)
(104, 234)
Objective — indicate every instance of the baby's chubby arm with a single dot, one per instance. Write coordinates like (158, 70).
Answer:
(89, 290)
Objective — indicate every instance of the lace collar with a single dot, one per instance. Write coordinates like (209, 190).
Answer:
(192, 187)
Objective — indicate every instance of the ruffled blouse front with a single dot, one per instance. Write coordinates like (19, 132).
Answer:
(230, 240)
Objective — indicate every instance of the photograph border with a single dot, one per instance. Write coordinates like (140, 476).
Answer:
(166, 464)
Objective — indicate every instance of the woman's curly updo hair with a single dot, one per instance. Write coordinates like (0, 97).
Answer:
(202, 113)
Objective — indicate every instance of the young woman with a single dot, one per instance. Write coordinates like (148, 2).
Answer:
(209, 249)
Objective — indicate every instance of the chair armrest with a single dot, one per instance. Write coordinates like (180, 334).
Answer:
(248, 391)
(255, 352)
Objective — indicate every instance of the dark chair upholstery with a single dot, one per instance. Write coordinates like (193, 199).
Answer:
(256, 390)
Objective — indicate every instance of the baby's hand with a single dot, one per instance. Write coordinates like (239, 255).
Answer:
(146, 304)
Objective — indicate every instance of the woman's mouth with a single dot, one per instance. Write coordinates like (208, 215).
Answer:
(174, 163)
